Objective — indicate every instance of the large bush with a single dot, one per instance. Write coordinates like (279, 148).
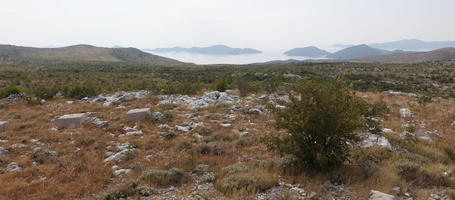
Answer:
(5, 92)
(220, 85)
(321, 118)
(81, 91)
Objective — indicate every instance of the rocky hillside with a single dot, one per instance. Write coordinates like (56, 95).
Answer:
(209, 147)
(436, 55)
(81, 53)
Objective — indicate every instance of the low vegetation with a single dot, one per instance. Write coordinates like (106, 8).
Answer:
(224, 154)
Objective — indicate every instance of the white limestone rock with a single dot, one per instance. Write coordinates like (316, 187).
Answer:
(3, 126)
(406, 113)
(370, 140)
(100, 123)
(199, 102)
(157, 117)
(3, 151)
(119, 96)
(376, 195)
(13, 167)
(71, 120)
(123, 150)
(138, 114)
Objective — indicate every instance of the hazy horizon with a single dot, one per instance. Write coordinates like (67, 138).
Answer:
(264, 25)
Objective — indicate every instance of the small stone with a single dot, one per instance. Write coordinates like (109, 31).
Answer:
(254, 111)
(100, 123)
(225, 124)
(376, 195)
(387, 130)
(157, 117)
(13, 167)
(3, 126)
(3, 151)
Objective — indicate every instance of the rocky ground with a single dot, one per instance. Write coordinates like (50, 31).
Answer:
(195, 141)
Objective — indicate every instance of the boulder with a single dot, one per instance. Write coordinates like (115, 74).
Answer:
(254, 111)
(71, 120)
(124, 149)
(138, 114)
(3, 126)
(370, 140)
(3, 151)
(100, 123)
(157, 117)
(376, 195)
(13, 167)
(406, 113)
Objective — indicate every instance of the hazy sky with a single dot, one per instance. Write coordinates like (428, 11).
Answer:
(262, 24)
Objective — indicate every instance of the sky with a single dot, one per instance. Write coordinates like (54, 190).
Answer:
(260, 24)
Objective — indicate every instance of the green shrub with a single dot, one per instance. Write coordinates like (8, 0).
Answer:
(201, 169)
(321, 119)
(450, 152)
(169, 135)
(45, 93)
(242, 86)
(145, 190)
(5, 92)
(204, 172)
(244, 183)
(205, 131)
(125, 189)
(32, 101)
(173, 176)
(81, 91)
(235, 168)
(220, 85)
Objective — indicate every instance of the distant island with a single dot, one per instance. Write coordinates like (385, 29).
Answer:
(407, 45)
(311, 51)
(211, 50)
(357, 52)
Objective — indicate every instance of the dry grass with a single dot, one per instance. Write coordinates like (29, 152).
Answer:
(82, 173)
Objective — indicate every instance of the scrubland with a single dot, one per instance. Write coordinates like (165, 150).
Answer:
(222, 155)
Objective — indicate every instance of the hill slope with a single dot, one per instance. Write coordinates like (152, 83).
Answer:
(357, 52)
(414, 45)
(439, 54)
(83, 53)
(211, 50)
(311, 51)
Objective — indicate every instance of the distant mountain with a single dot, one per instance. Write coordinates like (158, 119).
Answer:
(357, 52)
(407, 45)
(311, 51)
(342, 45)
(211, 50)
(83, 53)
(439, 54)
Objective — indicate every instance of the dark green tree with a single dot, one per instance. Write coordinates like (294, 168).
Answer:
(220, 85)
(321, 119)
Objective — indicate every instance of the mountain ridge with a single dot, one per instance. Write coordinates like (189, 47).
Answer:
(416, 57)
(83, 52)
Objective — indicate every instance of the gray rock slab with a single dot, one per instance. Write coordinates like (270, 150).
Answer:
(376, 195)
(71, 120)
(3, 126)
(138, 114)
